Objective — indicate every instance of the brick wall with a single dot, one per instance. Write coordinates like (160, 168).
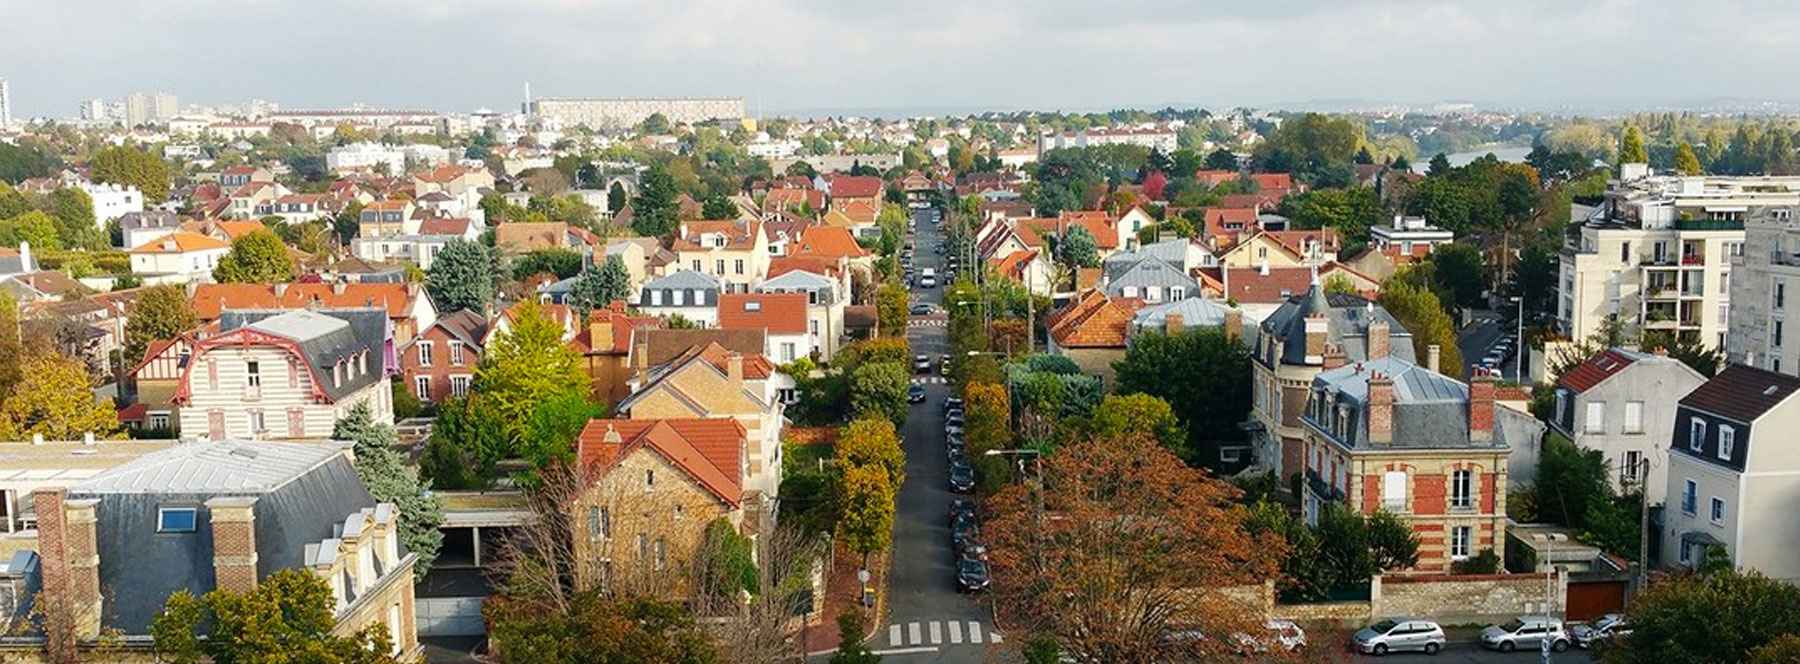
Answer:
(234, 542)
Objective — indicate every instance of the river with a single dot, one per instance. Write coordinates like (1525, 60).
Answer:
(1504, 153)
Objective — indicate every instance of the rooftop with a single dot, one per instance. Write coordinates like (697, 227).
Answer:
(227, 466)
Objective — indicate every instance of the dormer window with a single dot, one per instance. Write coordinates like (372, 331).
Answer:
(752, 306)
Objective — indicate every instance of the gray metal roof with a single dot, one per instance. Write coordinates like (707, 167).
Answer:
(1347, 319)
(218, 467)
(1431, 410)
(794, 279)
(148, 219)
(1149, 274)
(1412, 383)
(684, 279)
(1194, 312)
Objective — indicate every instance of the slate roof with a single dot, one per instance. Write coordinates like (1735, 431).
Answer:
(466, 325)
(324, 337)
(1194, 312)
(149, 219)
(684, 279)
(1743, 393)
(1149, 274)
(1347, 322)
(222, 467)
(1430, 409)
(795, 279)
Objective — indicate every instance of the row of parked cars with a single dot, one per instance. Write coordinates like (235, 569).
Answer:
(1500, 352)
(967, 554)
(1522, 633)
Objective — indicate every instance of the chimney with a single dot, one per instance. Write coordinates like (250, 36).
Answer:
(234, 542)
(1378, 339)
(600, 331)
(25, 257)
(190, 288)
(734, 368)
(1234, 323)
(353, 536)
(640, 356)
(617, 306)
(1481, 405)
(1317, 332)
(1334, 357)
(1172, 324)
(70, 564)
(1381, 409)
(1432, 355)
(280, 290)
(337, 287)
(412, 290)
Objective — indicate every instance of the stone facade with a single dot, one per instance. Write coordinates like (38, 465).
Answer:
(639, 523)
(1447, 599)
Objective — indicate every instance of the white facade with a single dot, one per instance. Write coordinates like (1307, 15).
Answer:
(163, 267)
(1156, 138)
(112, 201)
(363, 156)
(5, 103)
(1762, 285)
(418, 249)
(277, 404)
(1408, 236)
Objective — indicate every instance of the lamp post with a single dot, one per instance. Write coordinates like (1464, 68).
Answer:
(1519, 341)
(1549, 541)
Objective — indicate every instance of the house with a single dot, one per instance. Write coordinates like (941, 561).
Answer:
(222, 515)
(826, 298)
(1622, 402)
(685, 293)
(1152, 281)
(461, 228)
(1412, 237)
(154, 380)
(1220, 227)
(1033, 269)
(1282, 249)
(1193, 312)
(783, 316)
(522, 237)
(863, 190)
(287, 374)
(390, 217)
(294, 208)
(14, 263)
(246, 200)
(1262, 290)
(710, 381)
(1132, 223)
(605, 344)
(653, 486)
(636, 253)
(31, 465)
(1734, 474)
(1292, 346)
(1388, 435)
(1092, 330)
(416, 248)
(439, 363)
(179, 257)
(137, 228)
(735, 251)
(238, 176)
(409, 307)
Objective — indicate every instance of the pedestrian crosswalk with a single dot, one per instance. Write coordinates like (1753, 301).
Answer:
(927, 322)
(930, 380)
(938, 633)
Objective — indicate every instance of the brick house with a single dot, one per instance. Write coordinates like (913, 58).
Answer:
(287, 375)
(440, 362)
(1389, 435)
(409, 308)
(221, 515)
(653, 485)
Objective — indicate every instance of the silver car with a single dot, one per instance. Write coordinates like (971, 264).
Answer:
(1526, 632)
(1399, 635)
(1605, 628)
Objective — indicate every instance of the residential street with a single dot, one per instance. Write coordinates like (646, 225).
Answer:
(1475, 339)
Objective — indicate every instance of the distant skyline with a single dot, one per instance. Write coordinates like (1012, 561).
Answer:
(783, 55)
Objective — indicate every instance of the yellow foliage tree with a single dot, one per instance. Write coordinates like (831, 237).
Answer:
(55, 399)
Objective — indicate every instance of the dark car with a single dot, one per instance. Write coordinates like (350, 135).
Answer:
(962, 479)
(915, 394)
(971, 575)
(963, 528)
(955, 448)
(969, 549)
(961, 507)
(953, 403)
(954, 417)
(920, 309)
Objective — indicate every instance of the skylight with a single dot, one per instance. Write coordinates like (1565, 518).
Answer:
(1771, 390)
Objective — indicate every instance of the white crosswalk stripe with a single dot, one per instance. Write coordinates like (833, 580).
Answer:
(912, 630)
(955, 632)
(930, 380)
(927, 322)
(939, 632)
(974, 632)
(894, 635)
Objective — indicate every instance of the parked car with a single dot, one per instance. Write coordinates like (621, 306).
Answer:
(963, 528)
(1601, 630)
(920, 309)
(971, 575)
(962, 479)
(954, 447)
(921, 364)
(953, 403)
(953, 430)
(915, 394)
(1528, 632)
(1277, 636)
(928, 281)
(944, 365)
(954, 417)
(961, 507)
(1400, 634)
(968, 549)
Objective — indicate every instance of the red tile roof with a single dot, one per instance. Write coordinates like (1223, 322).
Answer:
(1596, 370)
(779, 313)
(856, 186)
(739, 234)
(1092, 320)
(211, 299)
(237, 229)
(624, 327)
(1272, 180)
(831, 241)
(444, 226)
(709, 450)
(814, 263)
(181, 242)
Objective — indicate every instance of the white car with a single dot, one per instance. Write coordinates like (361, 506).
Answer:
(1526, 633)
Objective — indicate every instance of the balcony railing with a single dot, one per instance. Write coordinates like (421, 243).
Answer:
(1323, 489)
(1693, 259)
(1709, 224)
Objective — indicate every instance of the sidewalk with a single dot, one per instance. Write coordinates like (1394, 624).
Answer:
(842, 590)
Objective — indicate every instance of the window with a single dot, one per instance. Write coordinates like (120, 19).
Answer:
(296, 420)
(459, 386)
(1775, 333)
(662, 553)
(1780, 294)
(1628, 473)
(1727, 436)
(1634, 417)
(1696, 434)
(649, 480)
(424, 353)
(1625, 252)
(1690, 492)
(212, 374)
(253, 374)
(1562, 405)
(737, 266)
(1393, 491)
(678, 512)
(177, 519)
(256, 422)
(422, 387)
(456, 352)
(1718, 510)
(643, 546)
(1462, 489)
(696, 265)
(1596, 417)
(813, 326)
(157, 421)
(1459, 542)
(719, 266)
(656, 298)
(593, 523)
(787, 351)
(680, 297)
(606, 522)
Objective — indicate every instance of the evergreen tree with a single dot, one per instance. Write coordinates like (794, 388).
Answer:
(462, 277)
(656, 212)
(391, 480)
(1631, 148)
(1686, 162)
(598, 287)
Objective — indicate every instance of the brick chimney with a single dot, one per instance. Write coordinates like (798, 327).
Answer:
(600, 330)
(1381, 408)
(1173, 324)
(1433, 355)
(1317, 331)
(1379, 339)
(617, 307)
(1234, 323)
(70, 565)
(281, 290)
(337, 287)
(640, 355)
(1334, 357)
(734, 368)
(234, 542)
(1481, 405)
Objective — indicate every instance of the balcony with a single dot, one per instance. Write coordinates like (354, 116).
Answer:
(1323, 489)
(1693, 259)
(1709, 224)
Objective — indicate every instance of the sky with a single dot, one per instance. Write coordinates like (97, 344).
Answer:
(780, 55)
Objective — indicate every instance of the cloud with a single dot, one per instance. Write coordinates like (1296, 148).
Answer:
(461, 54)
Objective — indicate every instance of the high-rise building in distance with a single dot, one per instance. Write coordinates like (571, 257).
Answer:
(141, 108)
(5, 103)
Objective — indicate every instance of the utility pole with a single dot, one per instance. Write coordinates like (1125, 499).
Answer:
(1643, 572)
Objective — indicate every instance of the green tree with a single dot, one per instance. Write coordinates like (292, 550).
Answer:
(726, 561)
(598, 287)
(392, 480)
(872, 441)
(656, 124)
(161, 313)
(1203, 374)
(1631, 148)
(1310, 145)
(74, 214)
(406, 402)
(1419, 311)
(1570, 482)
(257, 258)
(1219, 160)
(462, 277)
(55, 398)
(558, 262)
(1716, 618)
(12, 349)
(1139, 415)
(1686, 162)
(891, 310)
(289, 617)
(35, 227)
(1350, 211)
(1690, 350)
(598, 627)
(129, 165)
(879, 389)
(19, 163)
(526, 366)
(616, 198)
(1784, 649)
(1438, 165)
(1461, 270)
(467, 439)
(718, 207)
(865, 509)
(851, 650)
(656, 210)
(1079, 248)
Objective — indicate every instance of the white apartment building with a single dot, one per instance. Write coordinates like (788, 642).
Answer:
(1762, 333)
(1658, 253)
(365, 156)
(1160, 137)
(112, 201)
(1408, 236)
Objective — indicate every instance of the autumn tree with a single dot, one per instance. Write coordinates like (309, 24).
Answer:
(55, 399)
(32, 226)
(1420, 312)
(259, 257)
(12, 351)
(392, 480)
(1686, 163)
(287, 617)
(525, 366)
(131, 166)
(865, 500)
(1631, 147)
(872, 441)
(1716, 618)
(1117, 545)
(161, 313)
(891, 310)
(461, 277)
(1128, 415)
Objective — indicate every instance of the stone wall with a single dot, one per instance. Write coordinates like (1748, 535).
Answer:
(1450, 600)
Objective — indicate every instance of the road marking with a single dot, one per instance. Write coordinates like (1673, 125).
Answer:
(955, 632)
(937, 633)
(912, 630)
(993, 636)
(894, 634)
(904, 651)
(974, 632)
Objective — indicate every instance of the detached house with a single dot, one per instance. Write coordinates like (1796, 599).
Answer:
(440, 362)
(736, 251)
(710, 381)
(685, 293)
(783, 317)
(287, 375)
(382, 218)
(178, 258)
(139, 228)
(1623, 403)
(408, 307)
(1091, 330)
(1734, 474)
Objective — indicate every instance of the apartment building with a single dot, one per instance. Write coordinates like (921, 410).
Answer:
(1658, 253)
(1763, 276)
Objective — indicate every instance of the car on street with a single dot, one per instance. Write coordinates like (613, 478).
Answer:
(961, 507)
(953, 403)
(1601, 630)
(920, 309)
(963, 528)
(921, 364)
(954, 417)
(1277, 636)
(953, 430)
(968, 549)
(962, 479)
(1400, 635)
(971, 575)
(928, 281)
(915, 394)
(944, 365)
(954, 447)
(1525, 633)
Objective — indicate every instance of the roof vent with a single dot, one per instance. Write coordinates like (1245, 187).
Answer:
(1771, 391)
(244, 452)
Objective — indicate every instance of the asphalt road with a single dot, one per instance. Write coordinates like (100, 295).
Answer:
(1475, 339)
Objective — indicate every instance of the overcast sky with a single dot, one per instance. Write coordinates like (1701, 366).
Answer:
(457, 55)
